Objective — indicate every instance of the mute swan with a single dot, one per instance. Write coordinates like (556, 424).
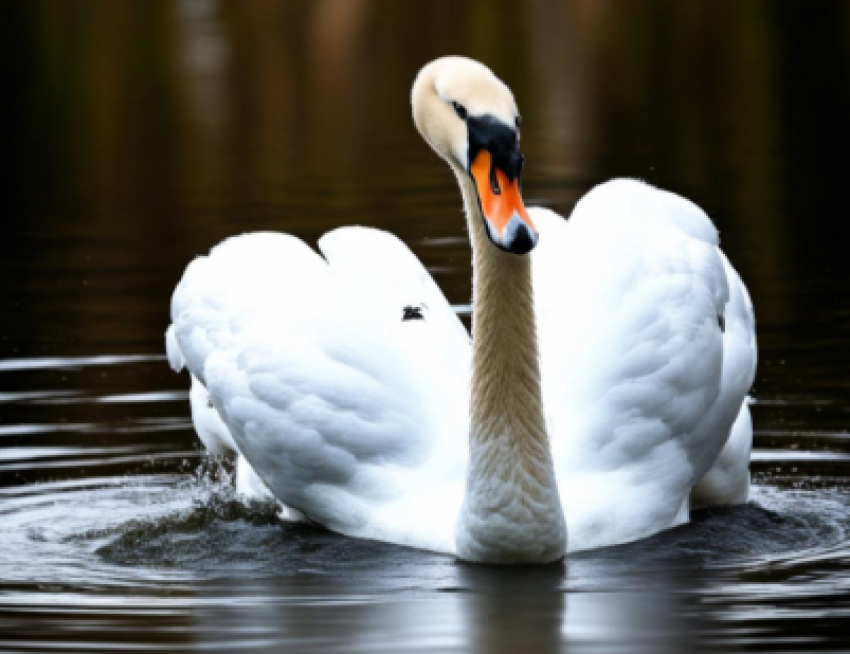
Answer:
(353, 390)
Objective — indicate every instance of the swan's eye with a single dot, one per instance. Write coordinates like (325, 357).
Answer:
(518, 122)
(460, 110)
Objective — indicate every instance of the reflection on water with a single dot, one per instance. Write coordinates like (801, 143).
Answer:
(140, 134)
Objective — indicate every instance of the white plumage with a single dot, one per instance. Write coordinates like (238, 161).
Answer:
(359, 418)
(370, 405)
(641, 385)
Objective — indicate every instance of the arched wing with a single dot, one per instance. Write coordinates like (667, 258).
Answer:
(647, 356)
(342, 380)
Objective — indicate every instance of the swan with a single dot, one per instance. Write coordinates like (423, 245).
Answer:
(602, 394)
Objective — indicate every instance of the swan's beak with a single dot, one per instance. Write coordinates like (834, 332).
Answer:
(508, 223)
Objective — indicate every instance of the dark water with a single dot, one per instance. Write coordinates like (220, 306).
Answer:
(138, 134)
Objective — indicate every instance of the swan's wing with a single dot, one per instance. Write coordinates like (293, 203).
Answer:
(648, 351)
(342, 380)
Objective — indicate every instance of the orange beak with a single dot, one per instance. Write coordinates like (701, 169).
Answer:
(508, 223)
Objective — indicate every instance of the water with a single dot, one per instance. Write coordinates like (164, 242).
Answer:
(140, 134)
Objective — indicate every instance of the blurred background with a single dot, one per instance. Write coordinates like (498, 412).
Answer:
(139, 133)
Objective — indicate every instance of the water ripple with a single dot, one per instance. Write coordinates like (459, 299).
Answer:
(114, 524)
(74, 363)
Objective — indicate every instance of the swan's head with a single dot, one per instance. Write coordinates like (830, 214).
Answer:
(470, 118)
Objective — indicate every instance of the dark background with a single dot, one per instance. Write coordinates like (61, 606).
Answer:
(139, 133)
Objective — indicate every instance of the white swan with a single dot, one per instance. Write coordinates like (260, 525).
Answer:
(352, 388)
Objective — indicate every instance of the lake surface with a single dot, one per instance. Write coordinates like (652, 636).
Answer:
(140, 134)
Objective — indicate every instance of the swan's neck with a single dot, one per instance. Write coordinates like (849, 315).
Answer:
(512, 511)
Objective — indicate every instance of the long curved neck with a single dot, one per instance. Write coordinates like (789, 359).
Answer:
(512, 511)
